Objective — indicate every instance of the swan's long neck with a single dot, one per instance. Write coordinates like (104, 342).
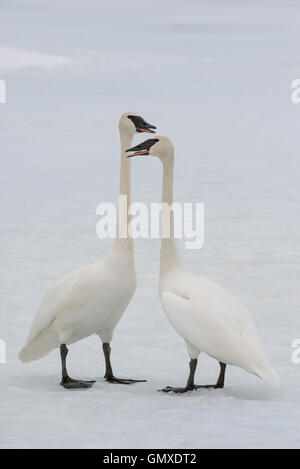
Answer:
(123, 241)
(169, 256)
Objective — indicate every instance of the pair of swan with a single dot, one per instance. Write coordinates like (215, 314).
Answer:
(92, 299)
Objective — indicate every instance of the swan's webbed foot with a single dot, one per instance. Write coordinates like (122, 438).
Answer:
(190, 386)
(178, 390)
(210, 386)
(70, 383)
(113, 379)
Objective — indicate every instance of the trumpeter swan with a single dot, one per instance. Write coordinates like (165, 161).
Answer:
(93, 298)
(207, 316)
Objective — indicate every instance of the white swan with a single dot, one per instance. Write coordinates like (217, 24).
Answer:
(93, 298)
(207, 316)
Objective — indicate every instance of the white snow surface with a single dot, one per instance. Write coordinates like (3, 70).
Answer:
(13, 59)
(216, 78)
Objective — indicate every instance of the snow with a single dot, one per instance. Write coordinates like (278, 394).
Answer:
(13, 59)
(217, 80)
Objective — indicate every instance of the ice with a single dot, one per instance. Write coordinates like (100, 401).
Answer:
(216, 78)
(13, 59)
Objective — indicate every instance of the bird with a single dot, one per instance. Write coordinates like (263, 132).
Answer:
(208, 317)
(91, 299)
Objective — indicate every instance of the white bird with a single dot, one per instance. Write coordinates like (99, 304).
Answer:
(207, 316)
(91, 299)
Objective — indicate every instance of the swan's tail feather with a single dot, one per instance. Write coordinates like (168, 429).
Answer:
(30, 353)
(268, 374)
(40, 346)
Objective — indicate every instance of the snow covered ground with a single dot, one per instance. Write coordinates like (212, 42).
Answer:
(215, 77)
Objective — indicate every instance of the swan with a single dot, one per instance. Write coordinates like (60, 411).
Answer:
(207, 316)
(92, 298)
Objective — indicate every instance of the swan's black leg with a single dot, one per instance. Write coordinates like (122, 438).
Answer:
(190, 385)
(220, 382)
(221, 379)
(66, 381)
(109, 376)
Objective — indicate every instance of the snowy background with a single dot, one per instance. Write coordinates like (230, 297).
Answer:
(215, 77)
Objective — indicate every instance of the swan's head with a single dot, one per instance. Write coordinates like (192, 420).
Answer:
(160, 146)
(130, 123)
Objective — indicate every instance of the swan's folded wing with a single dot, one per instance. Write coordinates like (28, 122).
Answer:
(65, 294)
(233, 326)
(179, 313)
(207, 333)
(224, 310)
(214, 332)
(208, 297)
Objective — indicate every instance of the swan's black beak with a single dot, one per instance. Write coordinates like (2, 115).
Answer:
(143, 148)
(141, 125)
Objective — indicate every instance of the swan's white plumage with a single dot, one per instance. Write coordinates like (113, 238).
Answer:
(89, 300)
(207, 316)
(215, 322)
(93, 298)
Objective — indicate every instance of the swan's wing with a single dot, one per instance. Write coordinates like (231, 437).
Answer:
(179, 312)
(231, 324)
(207, 296)
(67, 293)
(210, 327)
(223, 311)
